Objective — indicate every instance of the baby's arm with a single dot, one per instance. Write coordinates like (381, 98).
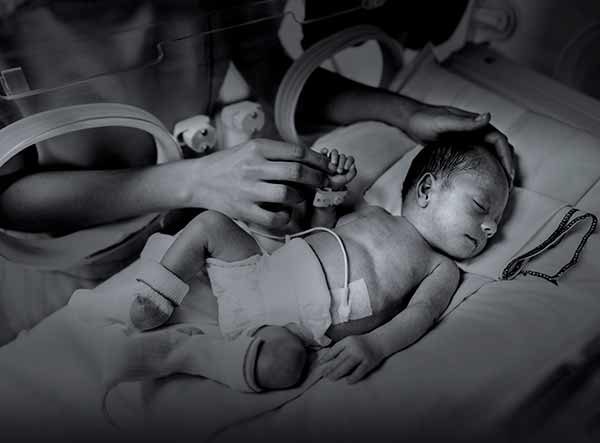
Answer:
(426, 306)
(342, 171)
(356, 356)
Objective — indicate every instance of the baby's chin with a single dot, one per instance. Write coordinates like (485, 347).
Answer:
(461, 252)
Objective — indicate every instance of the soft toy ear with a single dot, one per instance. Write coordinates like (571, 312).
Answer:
(196, 133)
(424, 188)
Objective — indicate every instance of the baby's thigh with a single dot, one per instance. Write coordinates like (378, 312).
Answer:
(226, 240)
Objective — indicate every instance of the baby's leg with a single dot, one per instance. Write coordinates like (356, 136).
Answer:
(273, 358)
(208, 234)
(282, 358)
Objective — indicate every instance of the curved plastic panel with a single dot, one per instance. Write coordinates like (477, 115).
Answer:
(73, 42)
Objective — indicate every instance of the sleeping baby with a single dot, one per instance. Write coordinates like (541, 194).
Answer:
(366, 289)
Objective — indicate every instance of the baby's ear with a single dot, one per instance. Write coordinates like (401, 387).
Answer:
(424, 187)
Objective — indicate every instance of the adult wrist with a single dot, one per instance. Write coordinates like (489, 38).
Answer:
(398, 111)
(195, 181)
(178, 187)
(388, 107)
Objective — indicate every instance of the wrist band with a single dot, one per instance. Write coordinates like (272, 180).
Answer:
(326, 197)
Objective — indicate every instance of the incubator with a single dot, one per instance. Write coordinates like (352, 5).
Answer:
(91, 85)
(151, 82)
(173, 62)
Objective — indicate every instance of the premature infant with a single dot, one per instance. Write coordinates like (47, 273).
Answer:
(370, 287)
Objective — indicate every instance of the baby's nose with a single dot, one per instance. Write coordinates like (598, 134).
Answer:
(489, 228)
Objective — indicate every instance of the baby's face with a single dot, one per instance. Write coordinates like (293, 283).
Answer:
(468, 210)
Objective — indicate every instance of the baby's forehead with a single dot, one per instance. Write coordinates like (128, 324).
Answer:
(490, 168)
(486, 182)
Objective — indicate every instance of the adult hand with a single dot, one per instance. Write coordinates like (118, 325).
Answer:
(427, 123)
(258, 181)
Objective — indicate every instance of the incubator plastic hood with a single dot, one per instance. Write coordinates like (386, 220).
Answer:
(61, 52)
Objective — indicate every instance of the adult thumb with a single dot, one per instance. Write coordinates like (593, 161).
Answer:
(457, 123)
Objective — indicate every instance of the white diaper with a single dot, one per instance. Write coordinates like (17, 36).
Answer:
(286, 288)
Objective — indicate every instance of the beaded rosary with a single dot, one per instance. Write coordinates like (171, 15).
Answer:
(518, 264)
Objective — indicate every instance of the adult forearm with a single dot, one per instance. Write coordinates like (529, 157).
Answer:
(64, 201)
(341, 101)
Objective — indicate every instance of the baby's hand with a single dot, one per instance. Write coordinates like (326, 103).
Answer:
(342, 169)
(352, 357)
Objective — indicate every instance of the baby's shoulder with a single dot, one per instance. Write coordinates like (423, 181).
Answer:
(443, 264)
(365, 212)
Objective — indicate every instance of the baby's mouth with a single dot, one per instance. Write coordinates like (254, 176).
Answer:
(474, 240)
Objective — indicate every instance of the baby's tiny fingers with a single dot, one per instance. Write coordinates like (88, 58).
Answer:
(330, 354)
(359, 373)
(345, 367)
(351, 173)
(324, 151)
(325, 357)
(349, 162)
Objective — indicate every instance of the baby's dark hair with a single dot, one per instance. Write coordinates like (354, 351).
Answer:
(445, 159)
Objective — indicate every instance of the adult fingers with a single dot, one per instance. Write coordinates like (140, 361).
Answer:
(276, 193)
(281, 171)
(451, 121)
(462, 112)
(281, 151)
(264, 217)
(503, 148)
(456, 119)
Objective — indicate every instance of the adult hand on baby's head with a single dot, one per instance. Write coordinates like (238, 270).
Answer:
(258, 181)
(503, 149)
(427, 123)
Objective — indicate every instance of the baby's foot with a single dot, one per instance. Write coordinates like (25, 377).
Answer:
(150, 310)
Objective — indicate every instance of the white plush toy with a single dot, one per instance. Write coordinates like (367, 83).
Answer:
(240, 122)
(196, 133)
(236, 123)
